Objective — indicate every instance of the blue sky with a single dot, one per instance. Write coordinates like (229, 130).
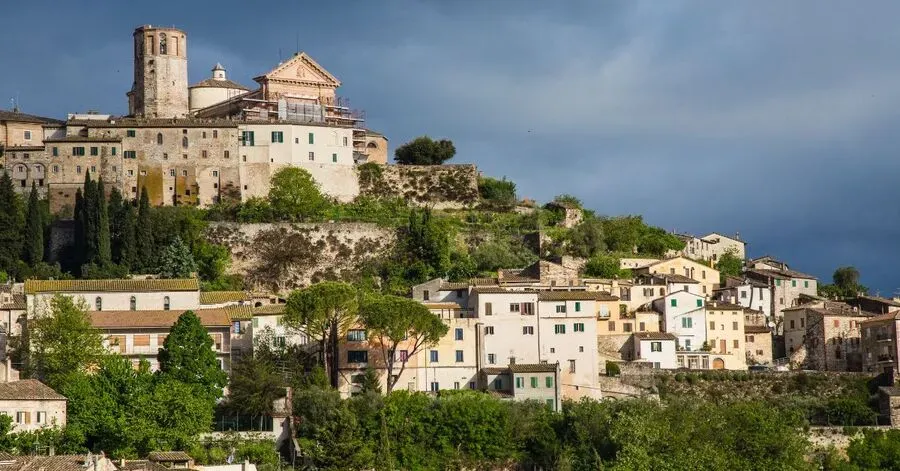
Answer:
(773, 119)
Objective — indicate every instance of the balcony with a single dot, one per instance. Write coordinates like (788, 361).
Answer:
(885, 359)
(884, 337)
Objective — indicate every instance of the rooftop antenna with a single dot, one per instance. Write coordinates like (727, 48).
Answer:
(298, 43)
(279, 56)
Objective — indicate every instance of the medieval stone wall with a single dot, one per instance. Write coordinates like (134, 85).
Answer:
(284, 256)
(440, 186)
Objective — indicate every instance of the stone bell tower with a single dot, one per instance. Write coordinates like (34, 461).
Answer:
(160, 88)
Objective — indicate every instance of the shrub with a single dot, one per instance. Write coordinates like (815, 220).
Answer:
(612, 368)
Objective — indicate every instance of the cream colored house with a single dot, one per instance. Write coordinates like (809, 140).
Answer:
(116, 295)
(32, 405)
(712, 246)
(141, 335)
(706, 276)
(725, 335)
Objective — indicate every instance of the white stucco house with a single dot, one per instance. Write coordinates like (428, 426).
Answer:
(657, 348)
(684, 315)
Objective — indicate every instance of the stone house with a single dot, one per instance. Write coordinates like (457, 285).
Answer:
(746, 292)
(880, 344)
(32, 405)
(522, 382)
(712, 246)
(116, 294)
(874, 304)
(789, 288)
(572, 214)
(758, 344)
(140, 335)
(824, 336)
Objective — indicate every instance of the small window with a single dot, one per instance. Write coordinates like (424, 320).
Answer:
(204, 154)
(171, 172)
(312, 156)
(488, 330)
(571, 366)
(459, 333)
(793, 283)
(435, 386)
(806, 284)
(215, 133)
(357, 356)
(560, 308)
(184, 142)
(27, 135)
(130, 133)
(514, 307)
(334, 158)
(112, 151)
(133, 304)
(577, 306)
(56, 169)
(78, 169)
(459, 356)
(520, 382)
(166, 303)
(98, 303)
(312, 138)
(345, 141)
(433, 356)
(687, 323)
(559, 328)
(699, 303)
(356, 335)
(578, 327)
(184, 173)
(277, 137)
(79, 151)
(673, 302)
(626, 327)
(527, 330)
(534, 382)
(56, 151)
(488, 309)
(655, 346)
(492, 359)
(159, 139)
(426, 295)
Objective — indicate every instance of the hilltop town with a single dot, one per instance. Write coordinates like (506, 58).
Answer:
(261, 233)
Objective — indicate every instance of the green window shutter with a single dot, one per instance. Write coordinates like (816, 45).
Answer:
(674, 303)
(549, 381)
(699, 303)
(577, 306)
(56, 151)
(312, 139)
(550, 403)
(113, 150)
(794, 283)
(533, 382)
(777, 282)
(334, 157)
(806, 284)
(519, 382)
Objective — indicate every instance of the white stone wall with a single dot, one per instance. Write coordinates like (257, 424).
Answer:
(119, 301)
(643, 351)
(55, 413)
(571, 347)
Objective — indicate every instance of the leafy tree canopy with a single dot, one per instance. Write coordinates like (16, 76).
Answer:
(295, 196)
(425, 151)
(188, 356)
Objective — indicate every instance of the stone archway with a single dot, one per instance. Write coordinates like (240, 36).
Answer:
(718, 364)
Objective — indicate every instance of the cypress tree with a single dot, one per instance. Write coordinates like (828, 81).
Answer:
(89, 219)
(79, 246)
(116, 211)
(11, 225)
(34, 229)
(144, 234)
(128, 249)
(104, 255)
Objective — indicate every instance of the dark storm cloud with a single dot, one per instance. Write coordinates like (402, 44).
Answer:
(775, 119)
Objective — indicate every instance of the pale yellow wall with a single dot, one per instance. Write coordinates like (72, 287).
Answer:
(707, 276)
(725, 334)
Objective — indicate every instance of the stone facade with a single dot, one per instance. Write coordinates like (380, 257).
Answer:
(160, 88)
(439, 186)
(824, 336)
(880, 344)
(758, 344)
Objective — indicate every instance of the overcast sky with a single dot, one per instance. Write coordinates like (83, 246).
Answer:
(769, 118)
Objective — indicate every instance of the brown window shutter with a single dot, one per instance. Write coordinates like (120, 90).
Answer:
(28, 417)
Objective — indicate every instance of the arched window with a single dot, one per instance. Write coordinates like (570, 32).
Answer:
(98, 303)
(166, 303)
(133, 303)
(372, 145)
(159, 139)
(184, 142)
(162, 43)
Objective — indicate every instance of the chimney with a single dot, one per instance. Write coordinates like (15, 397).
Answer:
(52, 451)
(512, 360)
(731, 300)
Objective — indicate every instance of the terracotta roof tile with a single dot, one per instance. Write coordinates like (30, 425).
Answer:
(83, 139)
(452, 286)
(269, 310)
(442, 305)
(575, 296)
(25, 118)
(219, 83)
(219, 297)
(28, 389)
(533, 367)
(117, 285)
(723, 306)
(113, 320)
(654, 336)
(46, 463)
(756, 329)
(169, 456)
(239, 313)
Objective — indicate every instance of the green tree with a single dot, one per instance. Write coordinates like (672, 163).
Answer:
(605, 266)
(425, 245)
(393, 321)
(34, 230)
(729, 264)
(187, 356)
(254, 387)
(128, 254)
(370, 382)
(295, 196)
(115, 208)
(324, 311)
(104, 253)
(11, 225)
(329, 433)
(176, 261)
(144, 235)
(212, 260)
(425, 151)
(90, 218)
(63, 340)
(586, 239)
(497, 193)
(79, 246)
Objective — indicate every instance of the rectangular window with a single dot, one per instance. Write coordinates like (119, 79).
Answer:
(528, 309)
(78, 151)
(312, 156)
(204, 154)
(357, 356)
(236, 327)
(435, 386)
(534, 381)
(227, 154)
(687, 323)
(612, 326)
(777, 282)
(560, 308)
(626, 327)
(141, 340)
(577, 306)
(129, 154)
(247, 138)
(426, 295)
(736, 344)
(559, 328)
(699, 303)
(459, 334)
(356, 335)
(456, 385)
(712, 325)
(334, 158)
(578, 327)
(792, 323)
(734, 326)
(514, 307)
(78, 169)
(404, 356)
(492, 359)
(673, 302)
(433, 356)
(520, 382)
(112, 150)
(488, 309)
(806, 284)
(345, 141)
(95, 151)
(27, 135)
(571, 366)
(527, 330)
(655, 346)
(277, 137)
(312, 139)
(56, 151)
(41, 417)
(642, 327)
(793, 283)
(548, 381)
(215, 133)
(488, 330)
(459, 356)
(130, 133)
(743, 294)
